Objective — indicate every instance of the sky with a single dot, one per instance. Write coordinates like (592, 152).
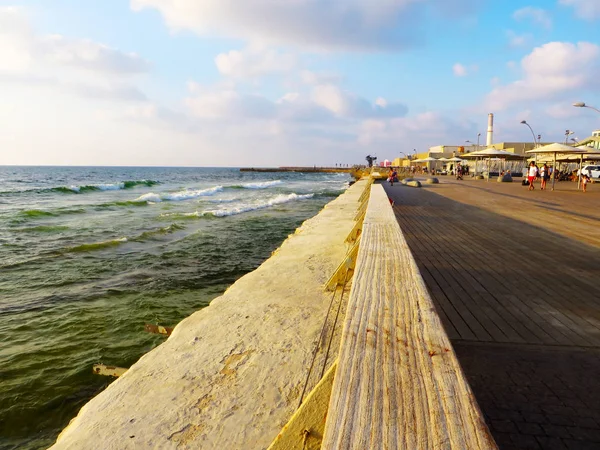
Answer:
(288, 82)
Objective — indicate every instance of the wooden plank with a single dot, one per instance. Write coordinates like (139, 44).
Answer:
(544, 314)
(398, 383)
(572, 328)
(533, 333)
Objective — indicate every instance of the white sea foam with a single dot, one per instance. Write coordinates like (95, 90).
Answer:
(278, 200)
(110, 187)
(263, 185)
(222, 200)
(181, 215)
(179, 196)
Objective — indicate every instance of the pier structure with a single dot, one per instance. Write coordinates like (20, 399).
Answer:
(452, 319)
(515, 277)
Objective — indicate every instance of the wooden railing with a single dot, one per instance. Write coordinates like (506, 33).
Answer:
(398, 383)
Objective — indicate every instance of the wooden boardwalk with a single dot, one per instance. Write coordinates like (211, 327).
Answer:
(515, 276)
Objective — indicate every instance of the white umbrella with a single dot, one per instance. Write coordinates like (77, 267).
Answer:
(491, 153)
(566, 150)
(428, 159)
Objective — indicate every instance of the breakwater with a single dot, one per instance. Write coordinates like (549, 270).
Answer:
(230, 375)
(299, 169)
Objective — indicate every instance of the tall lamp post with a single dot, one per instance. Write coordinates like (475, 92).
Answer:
(583, 105)
(478, 136)
(524, 122)
(567, 134)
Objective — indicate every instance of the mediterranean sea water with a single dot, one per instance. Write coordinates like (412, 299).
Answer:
(88, 255)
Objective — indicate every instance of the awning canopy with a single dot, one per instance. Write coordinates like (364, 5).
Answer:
(563, 149)
(492, 153)
(425, 160)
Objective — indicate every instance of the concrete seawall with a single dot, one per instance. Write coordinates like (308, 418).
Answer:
(230, 375)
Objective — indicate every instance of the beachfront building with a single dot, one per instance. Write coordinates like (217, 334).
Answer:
(450, 151)
(592, 141)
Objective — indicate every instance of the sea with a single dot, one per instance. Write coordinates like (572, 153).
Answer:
(89, 255)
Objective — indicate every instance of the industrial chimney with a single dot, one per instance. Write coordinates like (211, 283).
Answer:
(490, 132)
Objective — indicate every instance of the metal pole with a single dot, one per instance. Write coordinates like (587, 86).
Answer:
(554, 171)
(580, 167)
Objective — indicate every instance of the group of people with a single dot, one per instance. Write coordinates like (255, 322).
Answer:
(543, 173)
(534, 172)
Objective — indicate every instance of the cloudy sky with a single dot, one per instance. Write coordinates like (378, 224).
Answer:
(287, 82)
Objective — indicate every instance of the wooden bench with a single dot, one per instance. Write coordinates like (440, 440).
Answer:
(398, 384)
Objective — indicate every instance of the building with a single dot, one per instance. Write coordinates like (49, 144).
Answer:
(449, 151)
(592, 141)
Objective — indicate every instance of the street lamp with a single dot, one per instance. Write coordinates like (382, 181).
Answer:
(524, 122)
(583, 105)
(567, 134)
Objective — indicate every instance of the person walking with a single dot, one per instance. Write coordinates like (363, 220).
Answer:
(544, 176)
(585, 180)
(532, 174)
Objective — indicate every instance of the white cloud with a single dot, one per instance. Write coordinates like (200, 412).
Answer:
(75, 66)
(517, 40)
(343, 103)
(324, 102)
(89, 55)
(315, 24)
(314, 78)
(254, 62)
(423, 130)
(21, 48)
(585, 9)
(381, 102)
(551, 71)
(537, 15)
(459, 70)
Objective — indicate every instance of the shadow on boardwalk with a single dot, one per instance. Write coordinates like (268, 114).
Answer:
(521, 305)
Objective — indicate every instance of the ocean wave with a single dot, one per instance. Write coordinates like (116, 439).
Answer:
(261, 185)
(178, 196)
(329, 193)
(278, 200)
(35, 213)
(41, 229)
(223, 200)
(94, 246)
(88, 187)
(125, 203)
(181, 216)
(159, 231)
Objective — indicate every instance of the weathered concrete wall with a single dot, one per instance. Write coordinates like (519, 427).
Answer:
(230, 375)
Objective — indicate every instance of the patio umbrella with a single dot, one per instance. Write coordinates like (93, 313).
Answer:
(491, 153)
(427, 160)
(563, 149)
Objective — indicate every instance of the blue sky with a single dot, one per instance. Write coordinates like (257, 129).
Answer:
(257, 82)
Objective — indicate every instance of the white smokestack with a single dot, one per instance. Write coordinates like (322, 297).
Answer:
(490, 132)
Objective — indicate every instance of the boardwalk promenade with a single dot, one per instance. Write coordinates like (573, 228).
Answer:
(515, 276)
